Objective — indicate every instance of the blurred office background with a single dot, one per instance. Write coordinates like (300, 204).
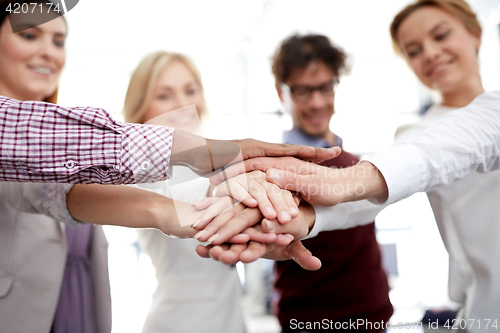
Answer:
(232, 43)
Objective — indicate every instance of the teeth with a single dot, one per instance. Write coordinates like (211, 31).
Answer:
(42, 70)
(439, 67)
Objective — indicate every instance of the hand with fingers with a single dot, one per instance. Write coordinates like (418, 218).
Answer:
(280, 249)
(318, 185)
(204, 156)
(253, 189)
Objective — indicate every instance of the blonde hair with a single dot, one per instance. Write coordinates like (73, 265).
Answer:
(140, 88)
(457, 8)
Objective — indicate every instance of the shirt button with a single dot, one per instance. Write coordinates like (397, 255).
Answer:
(145, 165)
(70, 164)
(153, 181)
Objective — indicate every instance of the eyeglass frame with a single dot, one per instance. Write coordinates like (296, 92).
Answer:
(286, 88)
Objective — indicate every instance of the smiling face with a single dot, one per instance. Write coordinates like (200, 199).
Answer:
(31, 60)
(312, 116)
(439, 49)
(176, 87)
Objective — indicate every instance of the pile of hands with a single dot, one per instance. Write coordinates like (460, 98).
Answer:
(249, 216)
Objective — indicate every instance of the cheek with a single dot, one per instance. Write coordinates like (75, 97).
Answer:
(13, 52)
(61, 60)
(417, 68)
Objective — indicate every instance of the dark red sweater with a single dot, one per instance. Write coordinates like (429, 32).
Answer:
(351, 284)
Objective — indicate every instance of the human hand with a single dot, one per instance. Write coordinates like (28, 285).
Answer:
(253, 189)
(205, 156)
(280, 249)
(318, 185)
(253, 148)
(230, 254)
(239, 219)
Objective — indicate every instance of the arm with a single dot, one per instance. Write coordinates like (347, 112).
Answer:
(463, 141)
(43, 142)
(130, 207)
(230, 254)
(318, 185)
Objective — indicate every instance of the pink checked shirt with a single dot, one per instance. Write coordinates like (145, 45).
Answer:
(42, 142)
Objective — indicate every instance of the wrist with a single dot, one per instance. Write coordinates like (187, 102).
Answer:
(309, 215)
(365, 181)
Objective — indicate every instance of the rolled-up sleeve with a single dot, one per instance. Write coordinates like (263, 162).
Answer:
(43, 142)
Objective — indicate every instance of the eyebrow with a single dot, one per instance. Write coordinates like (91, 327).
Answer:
(27, 26)
(437, 26)
(433, 30)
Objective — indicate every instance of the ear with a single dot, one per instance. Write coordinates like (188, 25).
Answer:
(280, 92)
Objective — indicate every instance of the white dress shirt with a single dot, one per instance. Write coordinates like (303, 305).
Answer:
(460, 143)
(468, 217)
(463, 143)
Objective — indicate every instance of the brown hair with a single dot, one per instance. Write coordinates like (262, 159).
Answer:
(296, 52)
(140, 88)
(458, 8)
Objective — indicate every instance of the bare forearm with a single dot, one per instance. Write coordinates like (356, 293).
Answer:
(117, 205)
(363, 181)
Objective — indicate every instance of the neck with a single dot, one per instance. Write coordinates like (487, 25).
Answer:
(329, 137)
(464, 95)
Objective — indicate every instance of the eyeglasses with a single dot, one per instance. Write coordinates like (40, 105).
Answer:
(303, 93)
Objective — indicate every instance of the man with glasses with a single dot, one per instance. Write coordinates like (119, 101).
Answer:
(351, 284)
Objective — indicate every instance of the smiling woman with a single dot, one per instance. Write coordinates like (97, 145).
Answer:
(440, 40)
(31, 60)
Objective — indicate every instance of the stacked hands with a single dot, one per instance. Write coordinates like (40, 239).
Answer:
(249, 217)
(260, 208)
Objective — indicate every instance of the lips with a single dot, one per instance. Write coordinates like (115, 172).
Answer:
(316, 119)
(439, 68)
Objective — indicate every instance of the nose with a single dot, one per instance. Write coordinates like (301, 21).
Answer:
(47, 48)
(431, 51)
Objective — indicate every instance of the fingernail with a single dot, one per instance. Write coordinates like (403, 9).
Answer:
(198, 235)
(290, 236)
(270, 211)
(196, 223)
(211, 239)
(294, 210)
(284, 216)
(267, 225)
(252, 201)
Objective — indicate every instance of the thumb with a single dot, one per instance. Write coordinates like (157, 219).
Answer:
(303, 256)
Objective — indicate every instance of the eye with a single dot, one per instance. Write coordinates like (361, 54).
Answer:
(191, 92)
(59, 43)
(413, 52)
(164, 97)
(27, 35)
(301, 91)
(442, 35)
